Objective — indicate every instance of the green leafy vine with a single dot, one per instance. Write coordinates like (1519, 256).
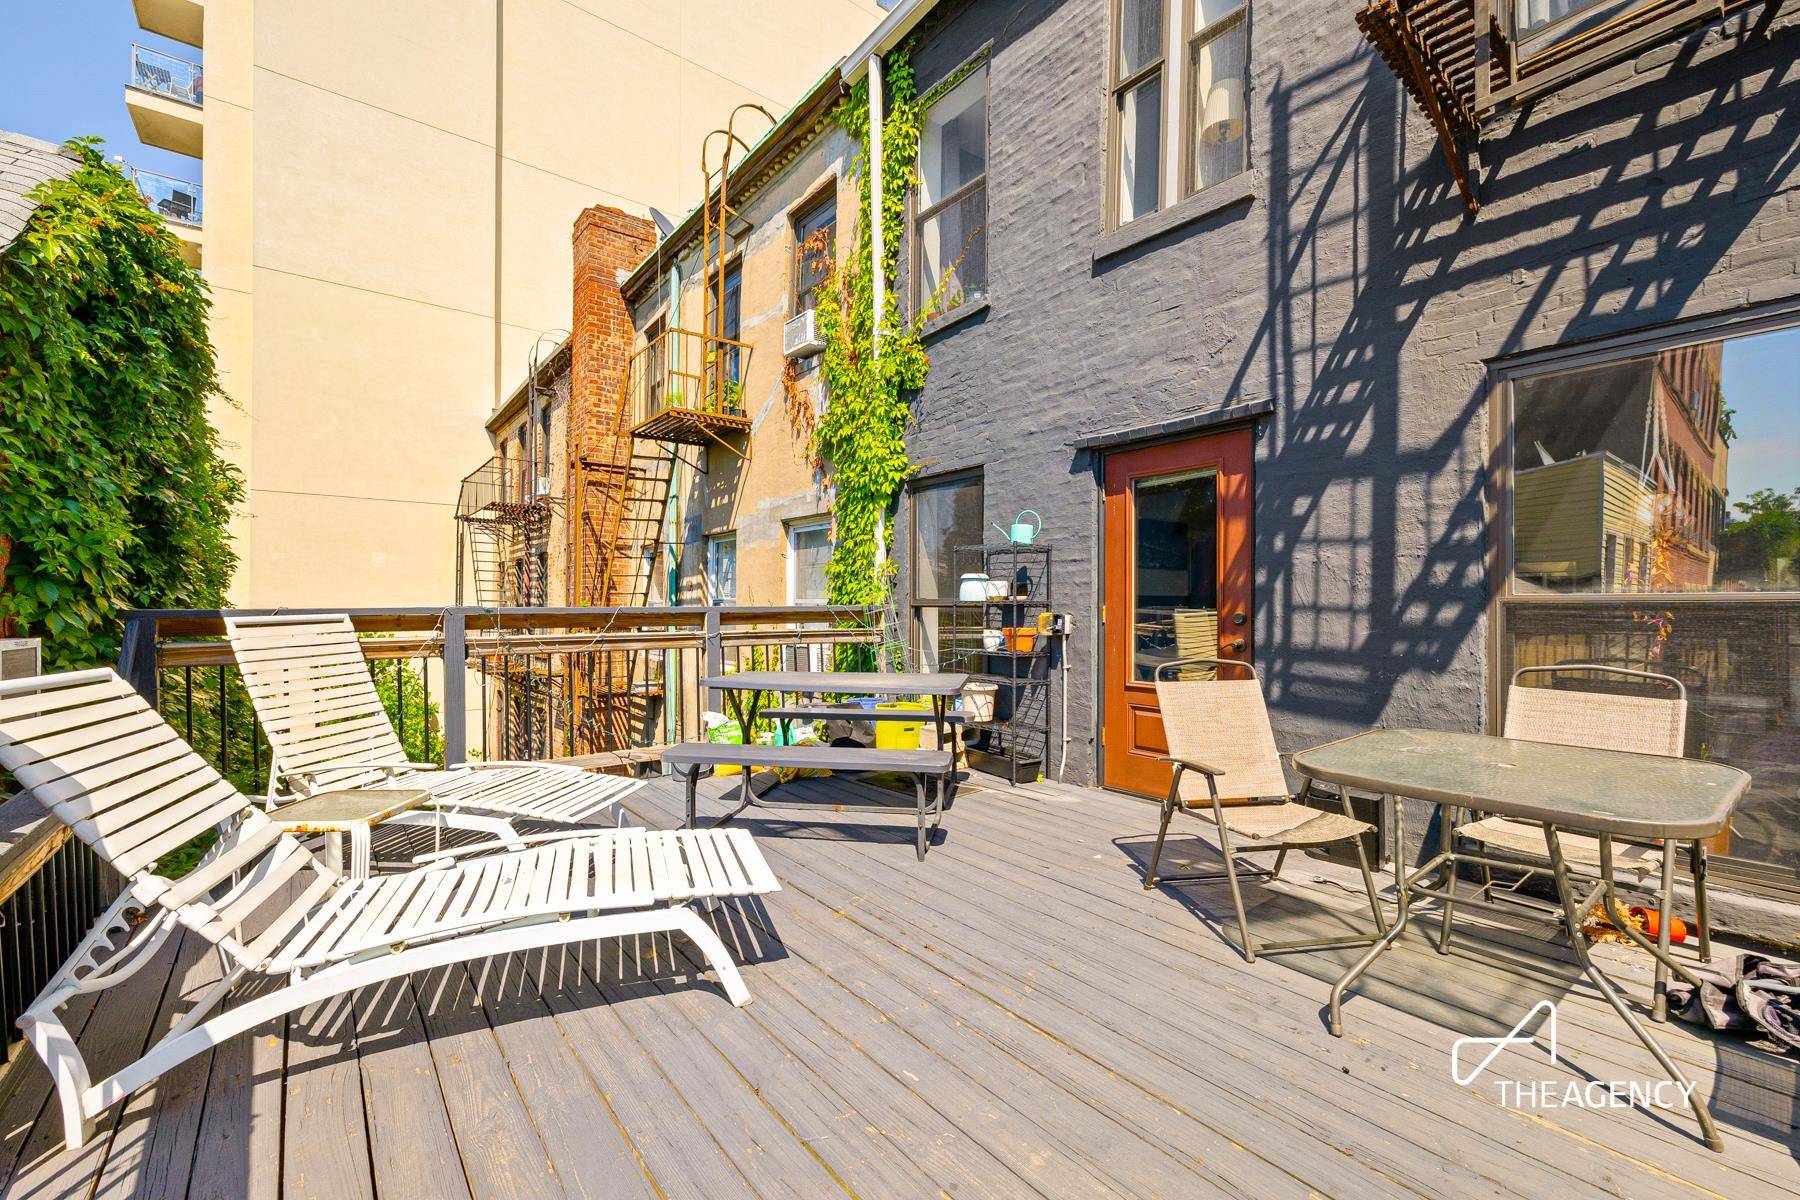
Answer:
(112, 491)
(862, 432)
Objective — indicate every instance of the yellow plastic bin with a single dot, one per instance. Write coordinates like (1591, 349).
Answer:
(900, 735)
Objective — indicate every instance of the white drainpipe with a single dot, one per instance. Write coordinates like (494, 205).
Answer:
(879, 281)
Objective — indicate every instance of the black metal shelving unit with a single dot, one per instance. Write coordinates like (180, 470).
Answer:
(1016, 743)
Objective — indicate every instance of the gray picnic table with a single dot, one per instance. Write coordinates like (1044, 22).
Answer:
(1601, 793)
(744, 692)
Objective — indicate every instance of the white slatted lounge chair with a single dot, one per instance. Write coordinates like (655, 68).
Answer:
(1228, 771)
(101, 761)
(326, 724)
(1642, 724)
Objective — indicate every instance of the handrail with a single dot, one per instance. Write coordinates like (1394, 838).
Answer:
(210, 622)
(689, 370)
(176, 199)
(166, 75)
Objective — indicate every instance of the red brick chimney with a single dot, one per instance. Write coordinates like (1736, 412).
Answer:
(608, 244)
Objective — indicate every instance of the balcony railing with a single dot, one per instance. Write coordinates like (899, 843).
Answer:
(506, 683)
(505, 491)
(176, 199)
(684, 385)
(166, 75)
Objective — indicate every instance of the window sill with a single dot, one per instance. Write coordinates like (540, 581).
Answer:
(955, 316)
(1239, 189)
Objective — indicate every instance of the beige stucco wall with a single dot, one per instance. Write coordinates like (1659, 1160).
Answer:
(390, 189)
(777, 485)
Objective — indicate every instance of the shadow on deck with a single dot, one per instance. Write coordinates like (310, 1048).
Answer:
(1014, 1017)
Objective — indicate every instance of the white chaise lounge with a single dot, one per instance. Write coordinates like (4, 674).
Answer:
(101, 761)
(326, 724)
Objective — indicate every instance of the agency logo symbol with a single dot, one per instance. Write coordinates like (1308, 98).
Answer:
(1516, 1036)
(1549, 1093)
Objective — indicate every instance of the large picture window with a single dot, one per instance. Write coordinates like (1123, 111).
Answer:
(949, 258)
(945, 513)
(1653, 522)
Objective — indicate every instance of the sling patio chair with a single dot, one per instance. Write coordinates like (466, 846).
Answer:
(1228, 771)
(316, 701)
(1597, 720)
(99, 759)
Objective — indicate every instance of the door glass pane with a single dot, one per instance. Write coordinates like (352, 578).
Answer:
(953, 143)
(1175, 570)
(1140, 35)
(1140, 148)
(1217, 122)
(1677, 471)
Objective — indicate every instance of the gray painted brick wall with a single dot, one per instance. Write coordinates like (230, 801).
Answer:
(1352, 293)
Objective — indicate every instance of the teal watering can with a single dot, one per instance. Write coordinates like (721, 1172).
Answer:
(1022, 534)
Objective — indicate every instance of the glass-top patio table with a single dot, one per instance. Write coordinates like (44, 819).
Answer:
(1602, 793)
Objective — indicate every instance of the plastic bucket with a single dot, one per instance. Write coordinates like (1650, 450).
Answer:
(978, 702)
(900, 735)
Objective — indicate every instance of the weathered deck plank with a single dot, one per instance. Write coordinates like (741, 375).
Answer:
(325, 1145)
(411, 1145)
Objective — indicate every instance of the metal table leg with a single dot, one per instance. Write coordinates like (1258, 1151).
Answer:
(1402, 881)
(1559, 869)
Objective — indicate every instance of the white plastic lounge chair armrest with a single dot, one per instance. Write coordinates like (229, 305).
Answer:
(534, 839)
(1189, 763)
(391, 767)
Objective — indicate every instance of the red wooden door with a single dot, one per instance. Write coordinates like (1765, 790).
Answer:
(1178, 585)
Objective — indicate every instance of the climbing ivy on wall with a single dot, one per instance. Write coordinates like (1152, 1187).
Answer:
(862, 432)
(112, 490)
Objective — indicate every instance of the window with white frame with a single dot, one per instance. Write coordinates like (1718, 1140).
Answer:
(721, 568)
(949, 257)
(809, 549)
(1189, 58)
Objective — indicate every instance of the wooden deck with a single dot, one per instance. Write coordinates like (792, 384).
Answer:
(1014, 1017)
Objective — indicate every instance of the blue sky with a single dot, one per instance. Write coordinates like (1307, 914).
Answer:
(1761, 377)
(63, 66)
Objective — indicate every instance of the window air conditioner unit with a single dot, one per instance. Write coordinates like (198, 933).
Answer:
(21, 657)
(800, 336)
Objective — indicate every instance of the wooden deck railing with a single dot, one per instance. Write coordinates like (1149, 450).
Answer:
(523, 683)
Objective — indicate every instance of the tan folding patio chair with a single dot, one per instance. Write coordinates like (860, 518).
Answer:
(100, 760)
(1642, 724)
(1228, 771)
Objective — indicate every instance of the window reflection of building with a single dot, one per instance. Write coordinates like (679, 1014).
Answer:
(1619, 474)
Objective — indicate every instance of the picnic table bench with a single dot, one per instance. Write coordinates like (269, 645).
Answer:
(694, 760)
(744, 691)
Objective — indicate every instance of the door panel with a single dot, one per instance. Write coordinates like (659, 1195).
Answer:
(1178, 585)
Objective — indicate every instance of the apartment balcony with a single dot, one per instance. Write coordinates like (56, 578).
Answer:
(177, 202)
(165, 98)
(686, 387)
(183, 20)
